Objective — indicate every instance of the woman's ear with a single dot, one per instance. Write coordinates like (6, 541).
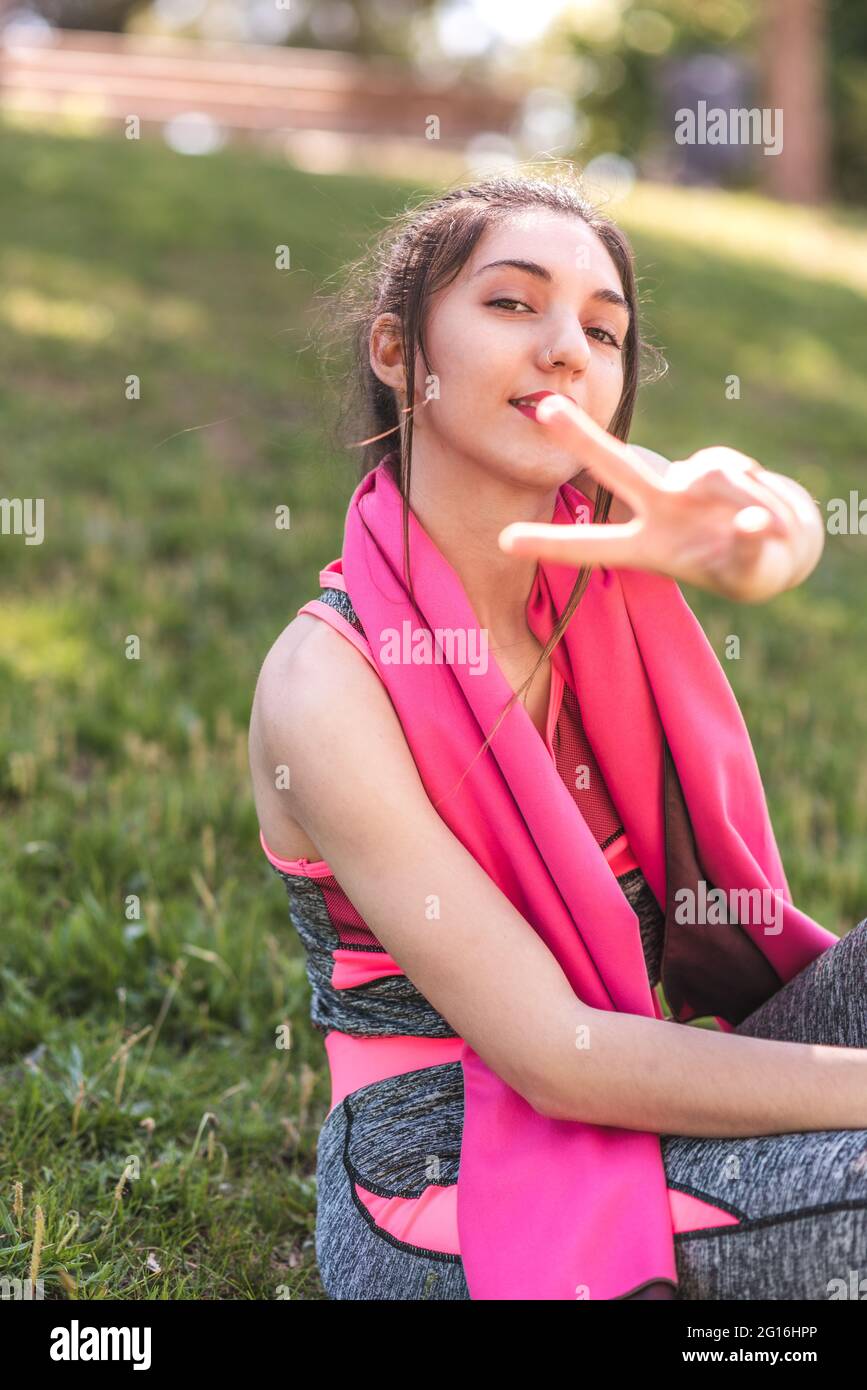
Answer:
(386, 352)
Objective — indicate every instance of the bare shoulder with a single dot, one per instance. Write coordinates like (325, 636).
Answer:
(275, 715)
(322, 713)
(308, 668)
(299, 648)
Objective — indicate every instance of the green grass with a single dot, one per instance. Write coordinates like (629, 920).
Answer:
(122, 778)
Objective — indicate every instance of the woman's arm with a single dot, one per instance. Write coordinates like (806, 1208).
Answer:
(355, 790)
(646, 1074)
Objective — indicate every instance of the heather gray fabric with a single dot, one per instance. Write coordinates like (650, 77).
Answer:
(389, 1005)
(801, 1198)
(651, 920)
(339, 600)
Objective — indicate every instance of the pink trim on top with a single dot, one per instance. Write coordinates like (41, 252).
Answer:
(316, 608)
(310, 868)
(354, 968)
(331, 578)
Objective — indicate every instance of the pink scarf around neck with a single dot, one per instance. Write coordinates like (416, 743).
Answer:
(557, 1209)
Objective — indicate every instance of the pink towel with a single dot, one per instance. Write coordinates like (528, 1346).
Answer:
(557, 1209)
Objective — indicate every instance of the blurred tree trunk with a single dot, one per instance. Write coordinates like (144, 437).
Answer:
(794, 76)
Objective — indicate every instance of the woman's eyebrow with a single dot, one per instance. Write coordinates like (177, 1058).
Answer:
(612, 297)
(542, 273)
(531, 267)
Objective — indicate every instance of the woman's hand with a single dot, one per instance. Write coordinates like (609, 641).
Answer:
(716, 519)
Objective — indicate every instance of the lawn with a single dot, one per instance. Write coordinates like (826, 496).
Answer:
(148, 959)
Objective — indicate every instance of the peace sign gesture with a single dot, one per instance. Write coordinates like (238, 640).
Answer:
(715, 520)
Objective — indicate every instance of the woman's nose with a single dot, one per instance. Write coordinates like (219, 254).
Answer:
(568, 349)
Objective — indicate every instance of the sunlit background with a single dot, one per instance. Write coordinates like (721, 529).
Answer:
(346, 83)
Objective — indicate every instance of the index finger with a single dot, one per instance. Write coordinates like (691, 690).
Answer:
(614, 464)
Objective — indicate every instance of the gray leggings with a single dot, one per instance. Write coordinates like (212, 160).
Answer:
(800, 1198)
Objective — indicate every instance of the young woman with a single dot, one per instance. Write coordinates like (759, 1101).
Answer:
(522, 797)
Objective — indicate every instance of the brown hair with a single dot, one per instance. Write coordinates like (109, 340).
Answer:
(423, 250)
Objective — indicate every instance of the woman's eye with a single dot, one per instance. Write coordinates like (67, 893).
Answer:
(607, 335)
(509, 301)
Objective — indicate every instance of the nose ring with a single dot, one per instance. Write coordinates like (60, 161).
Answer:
(548, 358)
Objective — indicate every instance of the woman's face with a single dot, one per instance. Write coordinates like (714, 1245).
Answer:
(488, 335)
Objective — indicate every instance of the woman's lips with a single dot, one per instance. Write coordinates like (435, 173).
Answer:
(528, 406)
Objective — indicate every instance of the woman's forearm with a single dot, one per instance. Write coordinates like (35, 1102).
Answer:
(652, 1074)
